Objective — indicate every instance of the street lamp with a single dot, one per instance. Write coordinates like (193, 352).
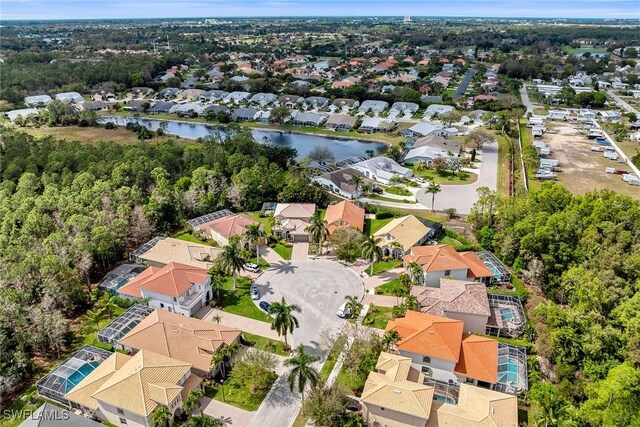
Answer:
(222, 386)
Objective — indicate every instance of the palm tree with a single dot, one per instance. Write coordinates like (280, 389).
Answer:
(161, 416)
(94, 316)
(419, 167)
(357, 181)
(433, 189)
(231, 260)
(396, 247)
(205, 421)
(371, 251)
(192, 401)
(217, 318)
(253, 235)
(217, 360)
(302, 373)
(284, 321)
(366, 187)
(390, 339)
(317, 229)
(415, 271)
(108, 305)
(411, 303)
(353, 305)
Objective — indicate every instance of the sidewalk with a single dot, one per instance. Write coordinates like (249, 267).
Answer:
(270, 255)
(370, 283)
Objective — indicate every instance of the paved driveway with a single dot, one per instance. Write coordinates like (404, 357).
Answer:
(233, 416)
(319, 288)
(462, 197)
(524, 95)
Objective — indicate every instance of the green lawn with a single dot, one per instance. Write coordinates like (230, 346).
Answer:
(397, 190)
(261, 219)
(388, 199)
(378, 317)
(390, 288)
(373, 225)
(235, 394)
(332, 359)
(91, 333)
(239, 301)
(382, 266)
(459, 243)
(283, 251)
(187, 237)
(263, 263)
(266, 344)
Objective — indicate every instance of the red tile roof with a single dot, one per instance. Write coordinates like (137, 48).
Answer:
(478, 358)
(344, 214)
(173, 280)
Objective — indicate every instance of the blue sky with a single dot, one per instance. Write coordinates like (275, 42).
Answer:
(70, 9)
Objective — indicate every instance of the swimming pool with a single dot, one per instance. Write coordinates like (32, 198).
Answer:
(507, 315)
(444, 399)
(508, 371)
(80, 374)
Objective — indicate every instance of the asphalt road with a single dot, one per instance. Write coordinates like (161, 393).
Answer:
(524, 95)
(622, 102)
(462, 197)
(319, 288)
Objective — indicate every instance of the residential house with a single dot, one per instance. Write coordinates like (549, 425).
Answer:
(189, 340)
(309, 119)
(476, 406)
(93, 105)
(377, 125)
(222, 229)
(216, 109)
(127, 390)
(290, 101)
(439, 143)
(424, 129)
(404, 108)
(139, 91)
(213, 95)
(103, 95)
(24, 113)
(37, 100)
(341, 182)
(456, 299)
(438, 109)
(291, 221)
(136, 105)
(263, 98)
(245, 114)
(191, 94)
(168, 93)
(395, 395)
(239, 79)
(345, 104)
(161, 107)
(382, 169)
(190, 108)
(316, 102)
(407, 231)
(341, 122)
(440, 261)
(175, 287)
(69, 97)
(344, 214)
(161, 251)
(237, 97)
(375, 107)
(50, 415)
(424, 154)
(440, 349)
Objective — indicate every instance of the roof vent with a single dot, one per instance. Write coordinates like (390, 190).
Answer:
(397, 391)
(174, 330)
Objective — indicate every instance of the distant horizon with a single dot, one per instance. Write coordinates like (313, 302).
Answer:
(70, 10)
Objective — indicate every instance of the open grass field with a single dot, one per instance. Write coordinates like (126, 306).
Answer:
(93, 135)
(409, 200)
(266, 344)
(382, 266)
(373, 225)
(378, 317)
(447, 177)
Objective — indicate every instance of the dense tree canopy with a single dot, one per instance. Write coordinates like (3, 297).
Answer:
(69, 210)
(583, 252)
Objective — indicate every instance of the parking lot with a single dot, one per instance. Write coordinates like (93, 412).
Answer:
(582, 170)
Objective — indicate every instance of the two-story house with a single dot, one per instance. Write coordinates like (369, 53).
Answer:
(127, 390)
(175, 287)
(443, 352)
(189, 340)
(440, 261)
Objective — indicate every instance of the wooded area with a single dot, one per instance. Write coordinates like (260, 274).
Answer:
(68, 211)
(581, 256)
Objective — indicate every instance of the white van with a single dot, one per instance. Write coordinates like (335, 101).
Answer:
(343, 311)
